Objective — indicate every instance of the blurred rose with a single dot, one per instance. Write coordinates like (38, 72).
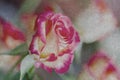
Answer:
(54, 42)
(95, 22)
(10, 36)
(99, 67)
(111, 45)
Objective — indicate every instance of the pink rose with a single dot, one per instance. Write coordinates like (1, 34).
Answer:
(10, 35)
(100, 67)
(54, 42)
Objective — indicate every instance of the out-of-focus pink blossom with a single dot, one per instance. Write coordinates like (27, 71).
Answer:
(111, 45)
(10, 35)
(95, 22)
(100, 67)
(54, 42)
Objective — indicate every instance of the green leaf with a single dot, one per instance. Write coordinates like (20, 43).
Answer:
(19, 50)
(26, 65)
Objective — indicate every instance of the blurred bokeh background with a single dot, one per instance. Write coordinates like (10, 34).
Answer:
(103, 35)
